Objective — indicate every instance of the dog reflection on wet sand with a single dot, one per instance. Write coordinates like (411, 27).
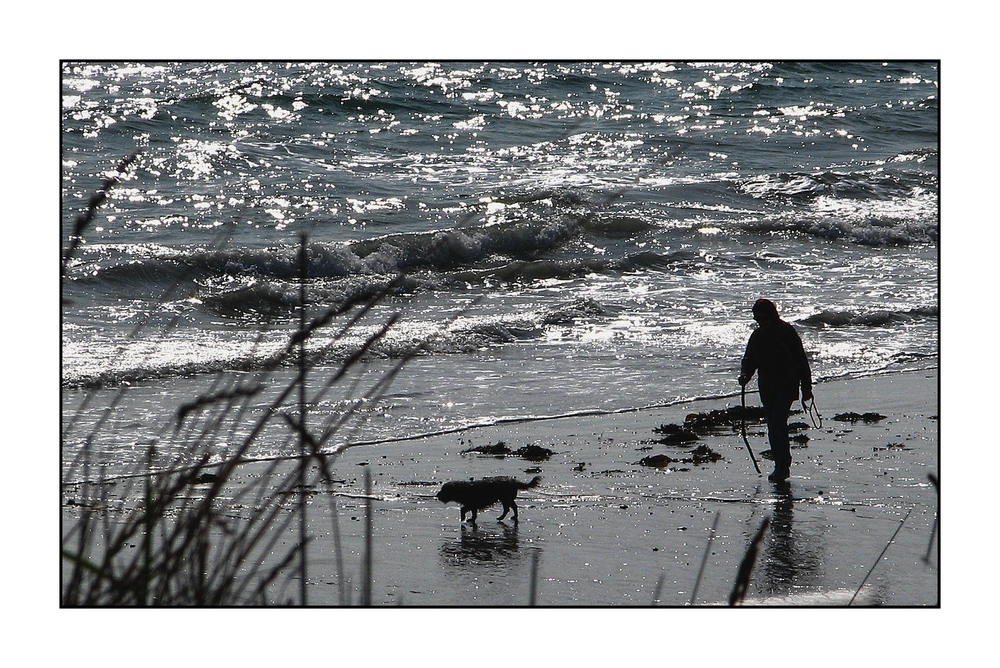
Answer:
(481, 546)
(476, 495)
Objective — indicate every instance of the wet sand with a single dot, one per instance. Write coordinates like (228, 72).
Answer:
(604, 530)
(615, 542)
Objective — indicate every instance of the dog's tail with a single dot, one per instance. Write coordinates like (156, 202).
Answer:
(534, 482)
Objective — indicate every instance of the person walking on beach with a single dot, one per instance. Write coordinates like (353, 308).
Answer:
(775, 352)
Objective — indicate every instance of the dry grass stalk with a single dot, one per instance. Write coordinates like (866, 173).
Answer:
(704, 559)
(186, 542)
(746, 566)
(881, 554)
(84, 220)
(533, 593)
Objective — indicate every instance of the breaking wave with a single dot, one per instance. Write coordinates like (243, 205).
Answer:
(868, 319)
(139, 360)
(875, 184)
(870, 208)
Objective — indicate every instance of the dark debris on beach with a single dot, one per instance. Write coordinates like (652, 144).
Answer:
(708, 423)
(532, 453)
(868, 418)
(721, 418)
(698, 456)
(674, 435)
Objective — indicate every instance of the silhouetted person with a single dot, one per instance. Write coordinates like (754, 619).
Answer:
(775, 352)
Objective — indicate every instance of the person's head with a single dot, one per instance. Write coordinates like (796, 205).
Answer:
(764, 310)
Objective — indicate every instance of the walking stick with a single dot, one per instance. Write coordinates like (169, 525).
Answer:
(743, 424)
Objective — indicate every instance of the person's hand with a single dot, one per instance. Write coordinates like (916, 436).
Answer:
(743, 379)
(807, 394)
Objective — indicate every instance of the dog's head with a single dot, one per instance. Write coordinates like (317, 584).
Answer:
(447, 492)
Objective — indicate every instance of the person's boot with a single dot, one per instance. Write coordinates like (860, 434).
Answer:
(780, 474)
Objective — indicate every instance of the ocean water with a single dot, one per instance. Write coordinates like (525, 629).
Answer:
(556, 236)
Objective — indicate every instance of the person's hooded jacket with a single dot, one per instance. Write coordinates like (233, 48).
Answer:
(775, 352)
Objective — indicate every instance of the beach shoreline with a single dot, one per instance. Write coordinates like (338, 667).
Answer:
(605, 530)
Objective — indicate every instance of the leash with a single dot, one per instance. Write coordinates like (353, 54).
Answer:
(743, 425)
(813, 413)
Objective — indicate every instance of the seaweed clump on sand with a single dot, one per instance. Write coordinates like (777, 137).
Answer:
(674, 435)
(532, 453)
(798, 440)
(698, 456)
(868, 418)
(498, 449)
(723, 418)
(704, 454)
(708, 423)
(656, 461)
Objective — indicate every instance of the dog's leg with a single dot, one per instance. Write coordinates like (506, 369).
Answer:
(506, 509)
(464, 510)
(473, 521)
(514, 507)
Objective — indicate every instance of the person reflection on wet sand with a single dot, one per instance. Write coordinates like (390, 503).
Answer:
(788, 562)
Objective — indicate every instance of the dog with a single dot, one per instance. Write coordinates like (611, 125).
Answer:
(476, 495)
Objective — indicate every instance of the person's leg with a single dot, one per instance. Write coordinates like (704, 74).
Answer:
(776, 409)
